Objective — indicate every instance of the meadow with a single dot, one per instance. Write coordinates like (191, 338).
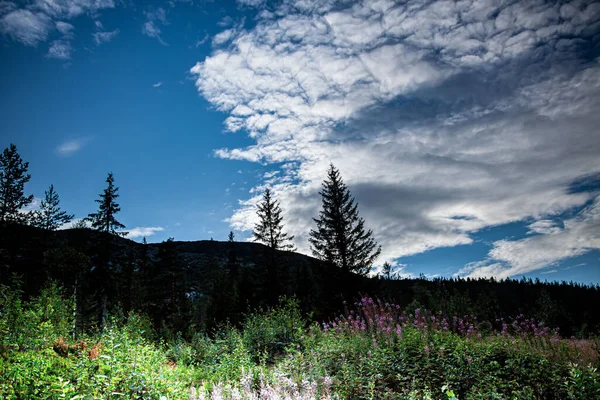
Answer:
(372, 350)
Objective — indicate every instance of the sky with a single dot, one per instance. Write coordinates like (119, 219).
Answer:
(467, 131)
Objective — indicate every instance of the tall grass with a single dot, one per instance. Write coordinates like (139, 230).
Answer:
(373, 350)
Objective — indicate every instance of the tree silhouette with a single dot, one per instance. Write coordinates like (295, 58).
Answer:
(104, 220)
(341, 238)
(50, 216)
(13, 177)
(270, 228)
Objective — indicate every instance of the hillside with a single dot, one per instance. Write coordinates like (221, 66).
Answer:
(191, 286)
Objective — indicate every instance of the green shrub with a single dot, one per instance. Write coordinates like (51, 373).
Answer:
(583, 382)
(266, 334)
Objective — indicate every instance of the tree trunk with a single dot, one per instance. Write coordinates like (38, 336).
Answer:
(74, 308)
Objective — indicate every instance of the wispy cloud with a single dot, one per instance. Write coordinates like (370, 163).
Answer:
(71, 147)
(202, 41)
(60, 50)
(151, 27)
(443, 118)
(26, 26)
(252, 3)
(552, 271)
(580, 235)
(157, 84)
(65, 28)
(32, 22)
(104, 37)
(142, 231)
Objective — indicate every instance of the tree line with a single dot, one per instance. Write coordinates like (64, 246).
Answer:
(190, 287)
(340, 237)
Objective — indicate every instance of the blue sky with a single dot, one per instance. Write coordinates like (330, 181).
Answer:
(467, 131)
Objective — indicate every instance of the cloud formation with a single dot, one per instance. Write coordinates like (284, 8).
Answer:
(104, 37)
(35, 21)
(444, 118)
(142, 231)
(60, 50)
(151, 27)
(70, 147)
(26, 26)
(580, 235)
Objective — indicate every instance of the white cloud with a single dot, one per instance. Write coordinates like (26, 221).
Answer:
(71, 8)
(71, 147)
(26, 26)
(60, 50)
(142, 231)
(252, 3)
(223, 37)
(105, 37)
(580, 235)
(151, 27)
(442, 118)
(34, 21)
(64, 28)
(545, 227)
(157, 84)
(552, 271)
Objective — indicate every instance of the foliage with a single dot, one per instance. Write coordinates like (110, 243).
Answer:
(269, 229)
(50, 216)
(268, 333)
(13, 177)
(341, 238)
(104, 219)
(375, 350)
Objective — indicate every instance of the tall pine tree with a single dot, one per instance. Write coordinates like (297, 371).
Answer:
(104, 220)
(50, 216)
(13, 177)
(269, 230)
(104, 272)
(340, 237)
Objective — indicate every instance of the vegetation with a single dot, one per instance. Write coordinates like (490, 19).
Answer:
(269, 229)
(13, 177)
(104, 219)
(89, 314)
(374, 350)
(341, 238)
(50, 216)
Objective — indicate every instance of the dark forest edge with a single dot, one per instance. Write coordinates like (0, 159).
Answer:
(190, 287)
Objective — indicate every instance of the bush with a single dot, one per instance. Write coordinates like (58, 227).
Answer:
(267, 334)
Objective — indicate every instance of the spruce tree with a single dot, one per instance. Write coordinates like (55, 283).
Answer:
(270, 228)
(50, 216)
(340, 237)
(104, 220)
(13, 177)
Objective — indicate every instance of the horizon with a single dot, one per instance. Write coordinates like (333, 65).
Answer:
(466, 132)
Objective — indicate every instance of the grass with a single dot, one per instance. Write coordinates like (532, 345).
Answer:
(374, 350)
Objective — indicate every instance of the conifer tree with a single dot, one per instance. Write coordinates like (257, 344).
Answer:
(50, 216)
(270, 228)
(13, 177)
(340, 237)
(104, 220)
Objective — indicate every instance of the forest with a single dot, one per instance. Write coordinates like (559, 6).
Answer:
(86, 313)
